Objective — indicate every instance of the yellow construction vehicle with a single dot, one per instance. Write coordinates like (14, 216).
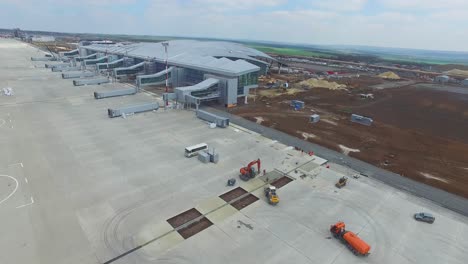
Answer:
(341, 182)
(270, 193)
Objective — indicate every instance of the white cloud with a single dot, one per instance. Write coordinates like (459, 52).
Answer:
(235, 4)
(342, 5)
(425, 4)
(402, 24)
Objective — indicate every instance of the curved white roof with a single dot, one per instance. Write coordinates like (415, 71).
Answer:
(194, 53)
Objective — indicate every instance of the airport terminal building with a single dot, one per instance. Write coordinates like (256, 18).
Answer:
(197, 70)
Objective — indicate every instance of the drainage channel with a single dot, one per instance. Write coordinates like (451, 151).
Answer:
(195, 220)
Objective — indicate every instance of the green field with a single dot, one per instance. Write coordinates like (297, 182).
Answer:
(403, 60)
(291, 51)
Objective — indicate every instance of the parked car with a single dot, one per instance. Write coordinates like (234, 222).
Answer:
(424, 217)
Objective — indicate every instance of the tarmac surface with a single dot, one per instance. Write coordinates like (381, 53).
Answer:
(79, 187)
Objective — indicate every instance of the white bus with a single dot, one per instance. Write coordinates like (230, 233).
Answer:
(193, 150)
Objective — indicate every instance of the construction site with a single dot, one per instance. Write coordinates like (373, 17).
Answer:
(137, 153)
(418, 129)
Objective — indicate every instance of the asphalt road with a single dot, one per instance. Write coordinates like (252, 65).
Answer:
(450, 201)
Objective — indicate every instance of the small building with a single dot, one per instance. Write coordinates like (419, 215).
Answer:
(465, 82)
(314, 118)
(442, 79)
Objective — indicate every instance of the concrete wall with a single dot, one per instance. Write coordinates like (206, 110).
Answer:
(231, 97)
(227, 89)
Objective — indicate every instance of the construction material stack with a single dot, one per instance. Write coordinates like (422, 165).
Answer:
(203, 157)
(350, 239)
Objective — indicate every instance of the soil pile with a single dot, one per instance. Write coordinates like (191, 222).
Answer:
(389, 75)
(320, 83)
(457, 72)
(270, 93)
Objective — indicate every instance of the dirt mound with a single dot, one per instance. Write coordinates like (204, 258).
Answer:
(457, 72)
(320, 83)
(270, 93)
(389, 75)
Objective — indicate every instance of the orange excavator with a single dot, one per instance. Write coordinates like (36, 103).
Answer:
(249, 172)
(350, 239)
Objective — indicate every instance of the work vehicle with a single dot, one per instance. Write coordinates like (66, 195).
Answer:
(270, 194)
(193, 150)
(350, 239)
(249, 172)
(231, 182)
(424, 217)
(341, 182)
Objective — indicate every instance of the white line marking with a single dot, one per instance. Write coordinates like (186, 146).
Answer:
(13, 192)
(26, 179)
(19, 163)
(21, 206)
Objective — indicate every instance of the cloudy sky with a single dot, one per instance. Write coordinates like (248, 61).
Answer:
(425, 24)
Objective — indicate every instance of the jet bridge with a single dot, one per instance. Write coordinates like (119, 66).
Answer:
(89, 57)
(155, 79)
(195, 94)
(110, 65)
(134, 69)
(96, 61)
(71, 53)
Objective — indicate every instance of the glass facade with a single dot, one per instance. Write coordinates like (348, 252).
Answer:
(193, 76)
(248, 79)
(240, 90)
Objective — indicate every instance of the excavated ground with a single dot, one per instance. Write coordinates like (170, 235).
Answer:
(418, 133)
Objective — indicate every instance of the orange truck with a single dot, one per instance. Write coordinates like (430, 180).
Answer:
(350, 239)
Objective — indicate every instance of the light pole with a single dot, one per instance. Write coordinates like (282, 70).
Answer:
(166, 44)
